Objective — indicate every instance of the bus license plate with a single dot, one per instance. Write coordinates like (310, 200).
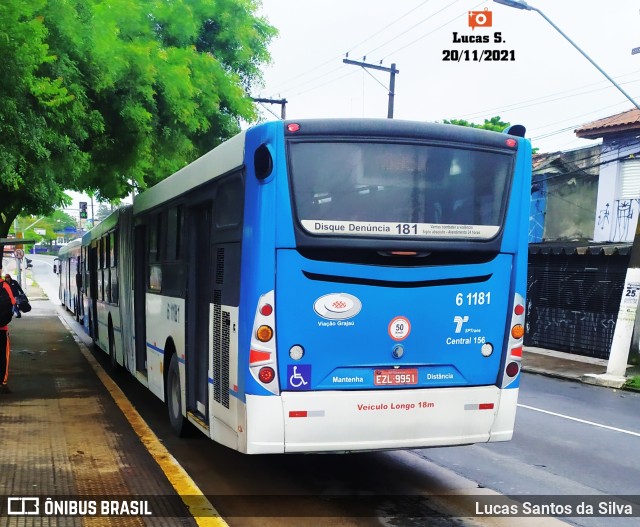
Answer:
(395, 377)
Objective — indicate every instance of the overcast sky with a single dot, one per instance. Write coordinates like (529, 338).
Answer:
(548, 87)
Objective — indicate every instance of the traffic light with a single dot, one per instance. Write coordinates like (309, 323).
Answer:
(83, 210)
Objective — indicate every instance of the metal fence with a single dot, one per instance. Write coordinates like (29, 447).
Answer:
(573, 299)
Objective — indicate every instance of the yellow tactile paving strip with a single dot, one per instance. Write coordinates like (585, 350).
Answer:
(62, 435)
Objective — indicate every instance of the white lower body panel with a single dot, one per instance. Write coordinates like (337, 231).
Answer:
(332, 421)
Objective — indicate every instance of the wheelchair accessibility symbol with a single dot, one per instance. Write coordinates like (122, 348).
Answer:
(299, 376)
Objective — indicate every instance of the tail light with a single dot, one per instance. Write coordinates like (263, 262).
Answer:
(517, 331)
(266, 374)
(512, 369)
(264, 333)
(516, 334)
(262, 355)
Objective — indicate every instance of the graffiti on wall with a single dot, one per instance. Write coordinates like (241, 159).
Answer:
(619, 220)
(578, 332)
(573, 302)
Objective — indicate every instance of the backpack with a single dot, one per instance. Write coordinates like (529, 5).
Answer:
(6, 306)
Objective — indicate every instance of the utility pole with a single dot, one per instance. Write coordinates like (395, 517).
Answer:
(392, 79)
(281, 102)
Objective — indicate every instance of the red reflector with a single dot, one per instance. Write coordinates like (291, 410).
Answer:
(516, 352)
(266, 310)
(485, 406)
(266, 375)
(512, 369)
(293, 127)
(258, 356)
(519, 309)
(511, 142)
(298, 413)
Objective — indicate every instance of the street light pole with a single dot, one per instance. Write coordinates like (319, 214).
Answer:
(615, 375)
(521, 4)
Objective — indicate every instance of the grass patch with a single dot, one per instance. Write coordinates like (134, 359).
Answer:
(633, 383)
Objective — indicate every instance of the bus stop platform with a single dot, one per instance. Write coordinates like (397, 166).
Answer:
(66, 446)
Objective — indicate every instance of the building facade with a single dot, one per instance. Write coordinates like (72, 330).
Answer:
(584, 211)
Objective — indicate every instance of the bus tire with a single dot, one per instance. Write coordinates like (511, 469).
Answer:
(174, 397)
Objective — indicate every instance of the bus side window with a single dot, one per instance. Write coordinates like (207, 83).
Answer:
(229, 204)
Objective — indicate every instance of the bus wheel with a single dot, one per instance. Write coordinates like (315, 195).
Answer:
(174, 397)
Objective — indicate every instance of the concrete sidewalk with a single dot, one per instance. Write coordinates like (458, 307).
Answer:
(560, 364)
(64, 437)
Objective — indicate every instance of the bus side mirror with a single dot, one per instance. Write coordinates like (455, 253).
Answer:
(263, 162)
(55, 269)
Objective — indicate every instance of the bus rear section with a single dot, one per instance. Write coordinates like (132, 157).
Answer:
(399, 298)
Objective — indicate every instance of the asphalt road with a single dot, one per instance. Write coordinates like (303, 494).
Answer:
(571, 439)
(42, 273)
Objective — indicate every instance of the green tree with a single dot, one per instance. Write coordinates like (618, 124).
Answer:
(106, 96)
(494, 124)
(30, 227)
(104, 209)
(39, 158)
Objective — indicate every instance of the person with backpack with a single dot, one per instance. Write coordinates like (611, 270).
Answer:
(7, 303)
(17, 290)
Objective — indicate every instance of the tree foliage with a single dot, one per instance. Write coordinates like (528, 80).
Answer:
(494, 124)
(109, 95)
(54, 225)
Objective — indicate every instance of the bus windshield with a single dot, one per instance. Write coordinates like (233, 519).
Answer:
(398, 189)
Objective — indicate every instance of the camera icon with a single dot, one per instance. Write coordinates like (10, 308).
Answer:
(480, 18)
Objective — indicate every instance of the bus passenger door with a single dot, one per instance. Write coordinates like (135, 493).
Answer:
(93, 291)
(198, 301)
(140, 262)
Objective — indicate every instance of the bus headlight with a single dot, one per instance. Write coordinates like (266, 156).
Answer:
(486, 349)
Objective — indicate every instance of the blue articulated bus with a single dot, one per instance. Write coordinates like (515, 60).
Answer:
(328, 286)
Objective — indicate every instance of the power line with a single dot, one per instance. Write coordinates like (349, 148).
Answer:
(594, 165)
(281, 102)
(351, 72)
(575, 125)
(335, 69)
(388, 26)
(412, 27)
(524, 104)
(392, 79)
(430, 33)
(333, 59)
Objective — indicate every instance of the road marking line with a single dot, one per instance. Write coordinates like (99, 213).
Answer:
(615, 429)
(203, 512)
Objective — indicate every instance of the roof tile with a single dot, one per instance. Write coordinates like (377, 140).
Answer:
(629, 120)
